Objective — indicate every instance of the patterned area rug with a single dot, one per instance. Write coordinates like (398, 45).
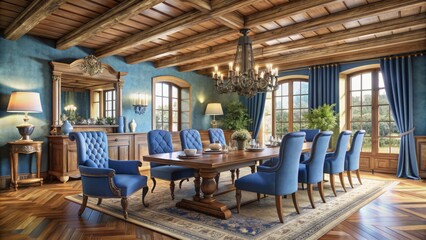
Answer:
(256, 220)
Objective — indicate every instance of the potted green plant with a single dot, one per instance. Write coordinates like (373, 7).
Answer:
(323, 117)
(236, 117)
(241, 136)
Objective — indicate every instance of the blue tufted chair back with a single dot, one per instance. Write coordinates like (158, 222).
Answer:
(92, 148)
(315, 164)
(216, 134)
(288, 167)
(190, 138)
(159, 141)
(338, 164)
(352, 156)
(310, 134)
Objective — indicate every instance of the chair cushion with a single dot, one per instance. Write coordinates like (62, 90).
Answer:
(259, 182)
(171, 172)
(129, 184)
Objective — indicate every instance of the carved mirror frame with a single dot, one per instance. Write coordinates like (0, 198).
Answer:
(87, 69)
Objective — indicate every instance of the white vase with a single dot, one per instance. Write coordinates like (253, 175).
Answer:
(132, 126)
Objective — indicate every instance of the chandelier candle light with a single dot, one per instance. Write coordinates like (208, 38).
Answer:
(244, 77)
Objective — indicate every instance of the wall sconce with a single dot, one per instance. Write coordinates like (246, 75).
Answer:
(214, 109)
(26, 102)
(140, 103)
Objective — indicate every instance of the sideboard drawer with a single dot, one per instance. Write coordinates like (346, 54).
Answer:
(120, 147)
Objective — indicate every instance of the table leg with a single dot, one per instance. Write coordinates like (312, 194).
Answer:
(197, 185)
(14, 171)
(207, 203)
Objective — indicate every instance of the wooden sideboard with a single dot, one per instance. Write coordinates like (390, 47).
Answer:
(121, 146)
(421, 155)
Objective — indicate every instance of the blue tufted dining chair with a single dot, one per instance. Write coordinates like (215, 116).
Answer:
(160, 141)
(310, 135)
(352, 156)
(190, 139)
(102, 177)
(278, 180)
(216, 134)
(335, 161)
(311, 170)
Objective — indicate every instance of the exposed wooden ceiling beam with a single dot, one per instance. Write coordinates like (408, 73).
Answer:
(30, 17)
(352, 14)
(201, 5)
(232, 20)
(179, 23)
(174, 47)
(123, 12)
(375, 28)
(283, 11)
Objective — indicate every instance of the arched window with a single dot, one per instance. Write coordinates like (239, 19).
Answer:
(172, 109)
(285, 107)
(368, 109)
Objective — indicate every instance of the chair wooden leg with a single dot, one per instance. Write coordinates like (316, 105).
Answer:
(238, 197)
(155, 184)
(217, 177)
(331, 177)
(83, 205)
(321, 191)
(99, 201)
(342, 181)
(295, 202)
(279, 205)
(358, 176)
(181, 181)
(303, 186)
(124, 204)
(144, 192)
(311, 199)
(172, 189)
(350, 178)
(238, 173)
(258, 197)
(232, 176)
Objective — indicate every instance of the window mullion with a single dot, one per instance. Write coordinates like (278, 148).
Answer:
(290, 106)
(375, 112)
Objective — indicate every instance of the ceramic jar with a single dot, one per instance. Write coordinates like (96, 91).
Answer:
(66, 127)
(215, 146)
(133, 126)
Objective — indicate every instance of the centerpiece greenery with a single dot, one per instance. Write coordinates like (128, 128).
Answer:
(241, 136)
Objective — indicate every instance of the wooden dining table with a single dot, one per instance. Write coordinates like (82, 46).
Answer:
(208, 166)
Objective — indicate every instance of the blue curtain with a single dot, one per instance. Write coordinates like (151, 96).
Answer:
(398, 79)
(255, 106)
(324, 86)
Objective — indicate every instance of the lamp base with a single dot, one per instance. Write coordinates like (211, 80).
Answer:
(25, 131)
(214, 125)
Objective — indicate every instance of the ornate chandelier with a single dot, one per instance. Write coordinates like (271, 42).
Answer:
(243, 76)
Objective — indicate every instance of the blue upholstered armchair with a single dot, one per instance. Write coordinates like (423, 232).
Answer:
(311, 170)
(310, 135)
(278, 180)
(335, 161)
(352, 156)
(190, 139)
(160, 141)
(216, 134)
(102, 177)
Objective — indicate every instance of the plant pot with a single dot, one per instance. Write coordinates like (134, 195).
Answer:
(241, 144)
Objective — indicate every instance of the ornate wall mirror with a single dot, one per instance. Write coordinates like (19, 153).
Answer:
(86, 92)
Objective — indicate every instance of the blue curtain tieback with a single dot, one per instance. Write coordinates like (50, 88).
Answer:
(407, 132)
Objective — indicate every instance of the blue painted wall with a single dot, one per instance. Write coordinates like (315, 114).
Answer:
(24, 65)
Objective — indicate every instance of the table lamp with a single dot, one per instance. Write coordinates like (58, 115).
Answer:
(214, 109)
(26, 102)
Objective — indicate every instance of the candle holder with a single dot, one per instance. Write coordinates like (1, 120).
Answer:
(140, 103)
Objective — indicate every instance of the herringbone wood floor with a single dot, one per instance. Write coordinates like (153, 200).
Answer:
(42, 213)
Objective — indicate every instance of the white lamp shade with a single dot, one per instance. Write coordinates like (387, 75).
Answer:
(24, 102)
(214, 109)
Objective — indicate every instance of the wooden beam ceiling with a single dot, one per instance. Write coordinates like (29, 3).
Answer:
(176, 24)
(30, 17)
(123, 12)
(316, 41)
(311, 25)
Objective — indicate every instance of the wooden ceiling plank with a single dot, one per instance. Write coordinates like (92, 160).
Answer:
(232, 20)
(179, 23)
(375, 28)
(30, 17)
(282, 11)
(201, 5)
(175, 46)
(123, 12)
(311, 25)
